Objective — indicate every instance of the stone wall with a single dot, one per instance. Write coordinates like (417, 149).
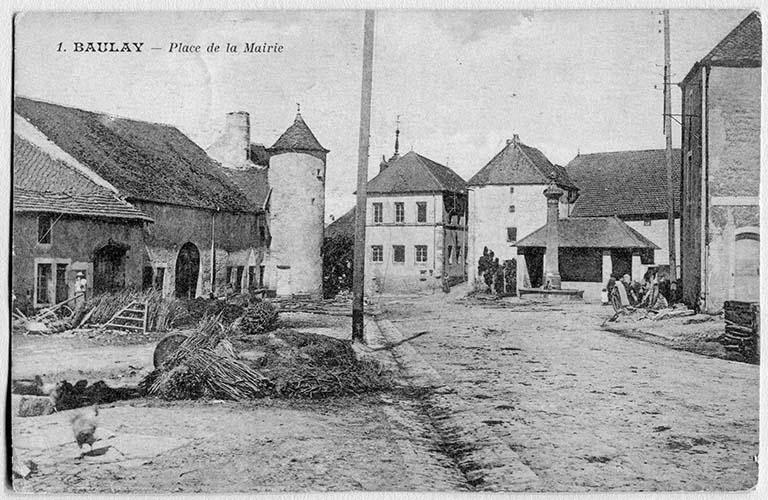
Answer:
(73, 242)
(733, 180)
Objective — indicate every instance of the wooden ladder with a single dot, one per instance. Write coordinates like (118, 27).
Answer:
(131, 317)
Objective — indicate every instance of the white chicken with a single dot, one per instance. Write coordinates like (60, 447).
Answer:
(84, 426)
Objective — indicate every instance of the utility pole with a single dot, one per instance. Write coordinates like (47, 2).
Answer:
(668, 134)
(358, 268)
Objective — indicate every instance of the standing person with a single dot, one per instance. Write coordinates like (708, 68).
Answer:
(81, 287)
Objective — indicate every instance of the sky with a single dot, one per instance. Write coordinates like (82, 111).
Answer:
(462, 82)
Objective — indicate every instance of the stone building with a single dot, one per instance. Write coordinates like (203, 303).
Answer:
(67, 221)
(632, 186)
(506, 202)
(415, 226)
(721, 171)
(211, 219)
(287, 182)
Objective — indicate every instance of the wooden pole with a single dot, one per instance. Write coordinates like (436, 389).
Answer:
(358, 270)
(670, 166)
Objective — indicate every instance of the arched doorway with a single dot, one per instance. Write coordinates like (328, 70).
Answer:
(187, 270)
(747, 271)
(109, 268)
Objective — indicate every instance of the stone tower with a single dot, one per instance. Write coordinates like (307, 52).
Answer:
(296, 204)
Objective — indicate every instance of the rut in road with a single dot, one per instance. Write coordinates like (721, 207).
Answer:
(485, 461)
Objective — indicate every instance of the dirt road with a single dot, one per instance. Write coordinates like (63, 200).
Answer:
(586, 409)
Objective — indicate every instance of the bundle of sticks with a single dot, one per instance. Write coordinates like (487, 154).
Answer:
(207, 361)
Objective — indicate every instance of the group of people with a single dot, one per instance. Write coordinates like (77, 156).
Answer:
(654, 292)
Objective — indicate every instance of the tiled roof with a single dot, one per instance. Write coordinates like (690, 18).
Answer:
(259, 155)
(343, 226)
(518, 163)
(741, 47)
(144, 161)
(624, 183)
(252, 182)
(298, 137)
(413, 173)
(44, 184)
(590, 232)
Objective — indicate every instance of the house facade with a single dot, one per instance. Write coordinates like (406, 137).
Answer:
(632, 186)
(415, 226)
(67, 222)
(210, 230)
(506, 202)
(721, 171)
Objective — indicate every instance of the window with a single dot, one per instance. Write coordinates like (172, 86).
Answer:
(511, 209)
(398, 253)
(647, 222)
(421, 253)
(450, 254)
(377, 253)
(511, 190)
(511, 234)
(261, 276)
(399, 211)
(458, 254)
(44, 279)
(378, 213)
(262, 235)
(44, 226)
(421, 211)
(229, 274)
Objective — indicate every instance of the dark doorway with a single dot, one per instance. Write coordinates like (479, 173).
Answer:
(187, 270)
(621, 263)
(109, 268)
(534, 261)
(62, 289)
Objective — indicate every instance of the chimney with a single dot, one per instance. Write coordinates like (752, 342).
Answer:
(232, 147)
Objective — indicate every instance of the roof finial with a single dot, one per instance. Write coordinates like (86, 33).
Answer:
(298, 108)
(397, 136)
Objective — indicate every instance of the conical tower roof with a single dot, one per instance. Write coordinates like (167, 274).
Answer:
(298, 137)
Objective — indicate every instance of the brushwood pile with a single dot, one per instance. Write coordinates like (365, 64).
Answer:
(251, 358)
